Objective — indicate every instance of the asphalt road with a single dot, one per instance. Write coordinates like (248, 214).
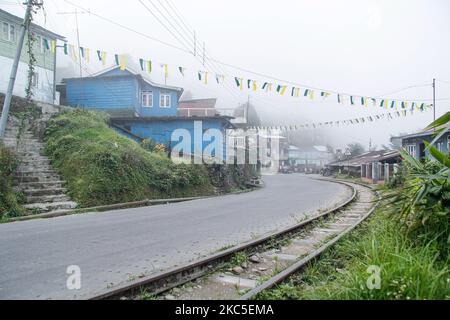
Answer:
(117, 246)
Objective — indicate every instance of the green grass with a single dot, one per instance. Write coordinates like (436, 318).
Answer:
(9, 200)
(102, 167)
(408, 270)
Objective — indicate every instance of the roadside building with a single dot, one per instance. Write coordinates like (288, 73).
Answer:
(44, 50)
(308, 159)
(372, 167)
(415, 146)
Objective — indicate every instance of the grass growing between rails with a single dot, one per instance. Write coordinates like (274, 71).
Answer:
(9, 204)
(102, 167)
(407, 270)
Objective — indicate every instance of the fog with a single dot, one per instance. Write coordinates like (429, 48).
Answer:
(370, 48)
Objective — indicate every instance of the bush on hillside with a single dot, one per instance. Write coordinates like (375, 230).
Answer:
(9, 206)
(103, 167)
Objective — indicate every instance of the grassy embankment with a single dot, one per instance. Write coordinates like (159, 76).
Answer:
(102, 167)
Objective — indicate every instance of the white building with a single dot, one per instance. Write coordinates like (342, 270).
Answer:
(43, 84)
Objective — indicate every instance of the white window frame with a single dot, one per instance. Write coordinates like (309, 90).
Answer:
(411, 148)
(11, 34)
(165, 101)
(148, 96)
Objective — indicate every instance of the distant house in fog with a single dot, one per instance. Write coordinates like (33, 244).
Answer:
(306, 159)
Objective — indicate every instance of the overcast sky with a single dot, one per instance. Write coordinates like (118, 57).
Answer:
(363, 47)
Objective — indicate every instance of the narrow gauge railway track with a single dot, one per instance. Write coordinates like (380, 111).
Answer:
(244, 271)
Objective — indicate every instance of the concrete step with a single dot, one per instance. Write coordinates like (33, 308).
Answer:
(35, 173)
(49, 207)
(34, 168)
(48, 199)
(41, 185)
(44, 192)
(35, 162)
(44, 178)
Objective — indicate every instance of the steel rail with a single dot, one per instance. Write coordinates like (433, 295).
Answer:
(169, 279)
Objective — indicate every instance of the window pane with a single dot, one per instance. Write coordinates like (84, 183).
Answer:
(5, 31)
(167, 101)
(12, 32)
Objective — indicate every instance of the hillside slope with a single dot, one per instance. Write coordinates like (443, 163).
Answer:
(103, 167)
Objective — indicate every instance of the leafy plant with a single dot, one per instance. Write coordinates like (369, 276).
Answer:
(9, 204)
(422, 204)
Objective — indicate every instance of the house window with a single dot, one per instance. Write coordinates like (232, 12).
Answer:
(147, 99)
(164, 100)
(8, 32)
(411, 150)
(440, 146)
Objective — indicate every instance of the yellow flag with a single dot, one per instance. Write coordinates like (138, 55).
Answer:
(104, 56)
(123, 62)
(149, 66)
(73, 52)
(254, 85)
(242, 84)
(311, 94)
(53, 46)
(166, 70)
(283, 90)
(206, 77)
(88, 54)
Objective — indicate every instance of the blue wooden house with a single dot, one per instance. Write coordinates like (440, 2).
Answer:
(122, 92)
(139, 108)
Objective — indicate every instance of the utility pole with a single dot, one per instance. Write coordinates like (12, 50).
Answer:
(434, 100)
(78, 37)
(195, 44)
(247, 109)
(12, 78)
(204, 53)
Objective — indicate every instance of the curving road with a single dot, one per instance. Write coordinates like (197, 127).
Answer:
(117, 246)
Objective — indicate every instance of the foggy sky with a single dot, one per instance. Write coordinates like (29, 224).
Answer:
(369, 48)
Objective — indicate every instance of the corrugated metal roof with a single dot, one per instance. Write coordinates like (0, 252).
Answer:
(198, 104)
(368, 157)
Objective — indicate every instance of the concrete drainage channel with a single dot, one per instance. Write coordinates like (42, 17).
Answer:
(244, 271)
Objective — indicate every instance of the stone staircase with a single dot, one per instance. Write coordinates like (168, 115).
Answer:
(42, 188)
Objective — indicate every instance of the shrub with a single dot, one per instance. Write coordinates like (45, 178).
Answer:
(9, 206)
